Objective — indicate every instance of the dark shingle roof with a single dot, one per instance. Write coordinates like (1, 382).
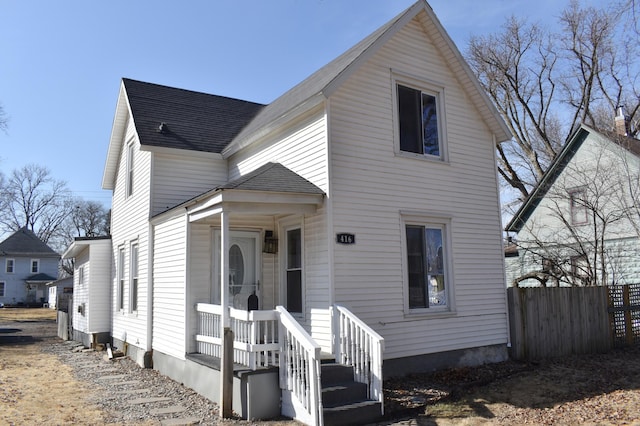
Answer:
(193, 120)
(24, 242)
(41, 277)
(273, 177)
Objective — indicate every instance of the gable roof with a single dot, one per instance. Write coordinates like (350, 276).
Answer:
(327, 79)
(168, 117)
(192, 120)
(24, 242)
(273, 177)
(558, 165)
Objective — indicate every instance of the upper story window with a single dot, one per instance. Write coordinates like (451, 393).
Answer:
(420, 118)
(129, 178)
(10, 266)
(81, 275)
(578, 207)
(35, 266)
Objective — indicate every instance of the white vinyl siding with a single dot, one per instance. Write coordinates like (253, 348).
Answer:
(371, 186)
(177, 178)
(130, 216)
(169, 295)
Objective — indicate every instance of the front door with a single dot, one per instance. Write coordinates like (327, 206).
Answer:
(244, 269)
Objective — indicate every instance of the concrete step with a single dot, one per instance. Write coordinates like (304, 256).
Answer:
(357, 413)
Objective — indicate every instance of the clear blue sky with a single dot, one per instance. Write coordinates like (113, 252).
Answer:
(61, 61)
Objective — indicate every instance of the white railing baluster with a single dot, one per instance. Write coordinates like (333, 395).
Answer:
(359, 346)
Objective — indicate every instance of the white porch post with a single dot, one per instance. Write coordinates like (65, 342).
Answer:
(226, 359)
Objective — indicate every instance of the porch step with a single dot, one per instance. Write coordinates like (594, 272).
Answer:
(344, 400)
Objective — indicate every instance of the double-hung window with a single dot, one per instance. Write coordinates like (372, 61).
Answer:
(129, 178)
(35, 266)
(428, 280)
(293, 270)
(420, 128)
(10, 266)
(578, 207)
(120, 271)
(2, 288)
(134, 278)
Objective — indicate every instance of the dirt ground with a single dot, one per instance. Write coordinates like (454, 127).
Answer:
(604, 389)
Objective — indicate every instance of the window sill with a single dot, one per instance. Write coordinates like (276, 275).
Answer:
(417, 314)
(421, 157)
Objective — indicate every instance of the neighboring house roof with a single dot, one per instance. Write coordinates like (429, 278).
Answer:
(558, 165)
(40, 278)
(273, 177)
(62, 282)
(209, 123)
(24, 242)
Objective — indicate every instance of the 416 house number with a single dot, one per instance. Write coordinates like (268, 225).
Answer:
(345, 238)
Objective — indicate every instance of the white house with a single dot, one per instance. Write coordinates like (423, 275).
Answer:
(580, 225)
(357, 212)
(91, 308)
(60, 292)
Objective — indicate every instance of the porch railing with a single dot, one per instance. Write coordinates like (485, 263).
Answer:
(299, 370)
(358, 345)
(255, 341)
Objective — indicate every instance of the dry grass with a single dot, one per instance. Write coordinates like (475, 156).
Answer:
(24, 314)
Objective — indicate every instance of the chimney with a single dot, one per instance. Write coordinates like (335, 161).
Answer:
(621, 121)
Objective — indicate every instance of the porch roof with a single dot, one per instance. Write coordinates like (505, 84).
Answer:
(270, 189)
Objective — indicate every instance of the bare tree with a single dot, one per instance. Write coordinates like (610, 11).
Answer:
(4, 120)
(547, 83)
(32, 198)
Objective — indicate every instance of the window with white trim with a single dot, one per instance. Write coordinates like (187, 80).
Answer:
(81, 275)
(293, 270)
(420, 120)
(120, 303)
(10, 266)
(578, 207)
(129, 177)
(428, 280)
(35, 266)
(2, 289)
(133, 280)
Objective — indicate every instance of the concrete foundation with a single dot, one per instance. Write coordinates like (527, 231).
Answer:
(134, 352)
(431, 362)
(256, 394)
(88, 339)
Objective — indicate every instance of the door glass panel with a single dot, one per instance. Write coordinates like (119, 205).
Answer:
(236, 269)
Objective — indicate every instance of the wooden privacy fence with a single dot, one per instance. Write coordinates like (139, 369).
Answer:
(624, 314)
(557, 321)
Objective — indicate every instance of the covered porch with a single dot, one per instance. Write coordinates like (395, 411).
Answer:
(248, 252)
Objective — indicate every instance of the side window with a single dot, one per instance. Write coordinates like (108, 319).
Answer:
(1, 288)
(10, 266)
(578, 207)
(293, 270)
(35, 266)
(134, 278)
(419, 121)
(428, 281)
(120, 304)
(81, 275)
(129, 178)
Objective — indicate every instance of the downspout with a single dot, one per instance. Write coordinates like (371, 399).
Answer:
(148, 355)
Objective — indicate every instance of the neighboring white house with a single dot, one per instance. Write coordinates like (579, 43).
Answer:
(91, 310)
(581, 224)
(28, 264)
(60, 293)
(361, 203)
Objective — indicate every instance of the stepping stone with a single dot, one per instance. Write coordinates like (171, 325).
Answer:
(114, 377)
(167, 410)
(149, 400)
(131, 391)
(181, 421)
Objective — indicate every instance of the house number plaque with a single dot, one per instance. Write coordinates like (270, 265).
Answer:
(345, 238)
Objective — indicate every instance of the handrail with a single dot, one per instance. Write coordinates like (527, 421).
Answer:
(358, 345)
(300, 366)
